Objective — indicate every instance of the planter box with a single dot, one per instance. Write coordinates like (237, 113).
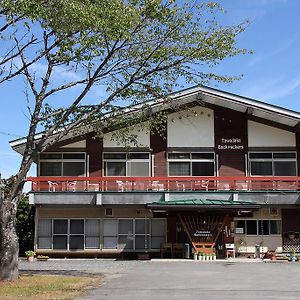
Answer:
(143, 256)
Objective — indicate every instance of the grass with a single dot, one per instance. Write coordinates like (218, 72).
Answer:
(44, 287)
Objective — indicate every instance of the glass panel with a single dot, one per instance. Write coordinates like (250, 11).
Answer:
(138, 155)
(241, 224)
(261, 168)
(115, 168)
(125, 226)
(92, 242)
(179, 169)
(114, 156)
(142, 242)
(110, 228)
(92, 228)
(73, 155)
(76, 242)
(284, 155)
(45, 228)
(275, 227)
(76, 226)
(141, 226)
(203, 169)
(50, 156)
(179, 155)
(158, 227)
(260, 155)
(73, 168)
(125, 242)
(285, 168)
(156, 242)
(60, 242)
(263, 226)
(50, 168)
(251, 227)
(60, 226)
(138, 169)
(110, 242)
(45, 242)
(203, 156)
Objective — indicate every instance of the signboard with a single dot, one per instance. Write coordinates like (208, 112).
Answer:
(232, 144)
(202, 233)
(239, 230)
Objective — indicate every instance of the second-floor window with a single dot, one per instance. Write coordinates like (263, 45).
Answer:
(273, 163)
(126, 164)
(191, 164)
(62, 164)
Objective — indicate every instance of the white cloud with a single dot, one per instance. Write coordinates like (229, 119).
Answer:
(273, 88)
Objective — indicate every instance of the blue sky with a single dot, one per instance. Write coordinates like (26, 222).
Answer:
(271, 74)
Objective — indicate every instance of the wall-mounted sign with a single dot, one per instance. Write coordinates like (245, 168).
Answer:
(239, 230)
(230, 144)
(199, 233)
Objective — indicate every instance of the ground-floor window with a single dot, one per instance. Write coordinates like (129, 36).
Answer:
(258, 227)
(79, 234)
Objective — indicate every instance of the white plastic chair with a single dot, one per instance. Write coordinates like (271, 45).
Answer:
(52, 186)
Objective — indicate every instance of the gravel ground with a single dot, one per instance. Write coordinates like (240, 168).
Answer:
(78, 266)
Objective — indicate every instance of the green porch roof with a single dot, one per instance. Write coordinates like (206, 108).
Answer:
(205, 203)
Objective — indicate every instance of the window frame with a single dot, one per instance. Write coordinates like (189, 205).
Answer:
(127, 160)
(62, 160)
(191, 160)
(258, 229)
(273, 161)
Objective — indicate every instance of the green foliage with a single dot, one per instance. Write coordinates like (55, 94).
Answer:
(30, 253)
(25, 224)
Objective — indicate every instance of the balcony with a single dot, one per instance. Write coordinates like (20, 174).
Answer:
(163, 184)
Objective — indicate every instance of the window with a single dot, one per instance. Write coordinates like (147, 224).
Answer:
(191, 164)
(76, 234)
(251, 227)
(110, 234)
(45, 234)
(68, 234)
(92, 234)
(142, 234)
(258, 227)
(60, 234)
(62, 164)
(125, 240)
(126, 164)
(273, 163)
(80, 234)
(158, 233)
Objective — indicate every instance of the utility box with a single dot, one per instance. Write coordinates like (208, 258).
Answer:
(187, 250)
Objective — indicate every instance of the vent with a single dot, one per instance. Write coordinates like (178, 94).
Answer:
(273, 211)
(108, 212)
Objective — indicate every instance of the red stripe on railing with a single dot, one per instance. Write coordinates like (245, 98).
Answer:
(187, 183)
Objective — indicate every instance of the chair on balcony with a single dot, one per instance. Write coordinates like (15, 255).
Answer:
(52, 186)
(201, 185)
(71, 186)
(122, 186)
(180, 186)
(155, 186)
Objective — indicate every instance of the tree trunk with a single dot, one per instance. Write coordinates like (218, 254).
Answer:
(9, 246)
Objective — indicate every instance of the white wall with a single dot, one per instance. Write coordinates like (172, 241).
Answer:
(260, 135)
(191, 128)
(141, 131)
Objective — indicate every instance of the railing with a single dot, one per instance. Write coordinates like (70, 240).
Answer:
(160, 184)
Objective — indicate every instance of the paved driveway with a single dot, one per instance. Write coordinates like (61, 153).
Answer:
(157, 280)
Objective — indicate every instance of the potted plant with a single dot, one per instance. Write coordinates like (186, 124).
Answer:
(293, 255)
(30, 255)
(214, 257)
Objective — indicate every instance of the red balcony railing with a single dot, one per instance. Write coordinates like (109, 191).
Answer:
(160, 184)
